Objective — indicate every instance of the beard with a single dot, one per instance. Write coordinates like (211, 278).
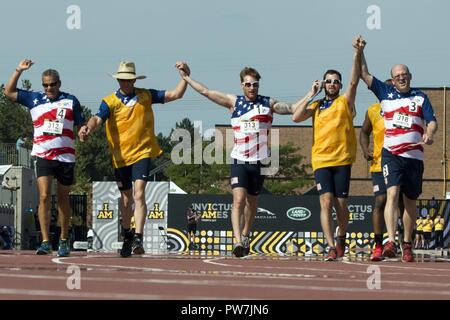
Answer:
(333, 95)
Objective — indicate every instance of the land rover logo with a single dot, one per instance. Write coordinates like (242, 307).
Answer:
(298, 213)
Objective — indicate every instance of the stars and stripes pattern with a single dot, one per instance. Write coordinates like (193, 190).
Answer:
(52, 147)
(401, 141)
(251, 146)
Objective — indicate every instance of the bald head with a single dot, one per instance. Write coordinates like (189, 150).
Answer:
(401, 78)
(399, 68)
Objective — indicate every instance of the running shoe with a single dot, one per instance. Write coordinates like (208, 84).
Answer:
(377, 253)
(44, 248)
(127, 245)
(390, 250)
(238, 250)
(332, 254)
(63, 248)
(246, 244)
(138, 247)
(407, 253)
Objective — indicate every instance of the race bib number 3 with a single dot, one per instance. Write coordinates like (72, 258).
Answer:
(53, 127)
(402, 120)
(250, 126)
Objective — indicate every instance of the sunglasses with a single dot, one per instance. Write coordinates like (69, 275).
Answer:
(51, 85)
(251, 84)
(333, 81)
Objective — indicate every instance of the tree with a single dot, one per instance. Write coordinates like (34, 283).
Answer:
(199, 178)
(15, 119)
(93, 159)
(291, 175)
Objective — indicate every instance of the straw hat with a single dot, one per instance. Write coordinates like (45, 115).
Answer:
(127, 71)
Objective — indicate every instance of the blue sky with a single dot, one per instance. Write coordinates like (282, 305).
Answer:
(290, 43)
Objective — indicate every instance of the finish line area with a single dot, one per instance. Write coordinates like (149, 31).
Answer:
(183, 276)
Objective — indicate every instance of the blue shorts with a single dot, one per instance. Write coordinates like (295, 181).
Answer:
(136, 171)
(404, 172)
(379, 187)
(248, 176)
(334, 179)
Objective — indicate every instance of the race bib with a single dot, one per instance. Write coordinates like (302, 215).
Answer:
(250, 126)
(53, 127)
(60, 114)
(402, 120)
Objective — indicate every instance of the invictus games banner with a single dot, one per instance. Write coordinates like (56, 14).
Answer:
(283, 224)
(106, 215)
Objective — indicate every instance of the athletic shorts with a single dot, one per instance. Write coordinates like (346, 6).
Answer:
(136, 171)
(192, 227)
(62, 171)
(379, 188)
(404, 172)
(247, 175)
(333, 179)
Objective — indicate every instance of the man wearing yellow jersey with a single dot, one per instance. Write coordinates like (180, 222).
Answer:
(419, 233)
(374, 123)
(128, 117)
(439, 223)
(334, 148)
(427, 226)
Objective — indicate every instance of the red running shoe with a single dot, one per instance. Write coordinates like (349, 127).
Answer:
(377, 253)
(332, 254)
(407, 253)
(390, 250)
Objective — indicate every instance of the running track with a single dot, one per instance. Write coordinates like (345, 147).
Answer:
(105, 276)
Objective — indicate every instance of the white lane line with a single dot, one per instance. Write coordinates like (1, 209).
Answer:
(388, 265)
(242, 283)
(106, 296)
(334, 271)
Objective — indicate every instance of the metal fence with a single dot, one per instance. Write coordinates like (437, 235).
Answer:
(16, 156)
(78, 225)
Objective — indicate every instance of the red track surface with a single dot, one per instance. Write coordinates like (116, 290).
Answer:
(24, 275)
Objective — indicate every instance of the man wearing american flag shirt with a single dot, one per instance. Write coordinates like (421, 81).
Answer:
(410, 123)
(251, 120)
(55, 115)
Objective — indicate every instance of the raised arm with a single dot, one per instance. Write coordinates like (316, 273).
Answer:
(281, 107)
(364, 138)
(11, 86)
(223, 99)
(365, 75)
(178, 92)
(301, 107)
(350, 94)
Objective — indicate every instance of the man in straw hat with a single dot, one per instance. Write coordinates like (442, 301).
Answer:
(129, 121)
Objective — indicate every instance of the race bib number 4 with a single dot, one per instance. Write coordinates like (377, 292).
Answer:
(402, 120)
(250, 126)
(53, 127)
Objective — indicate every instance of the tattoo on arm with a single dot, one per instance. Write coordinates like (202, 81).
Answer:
(283, 108)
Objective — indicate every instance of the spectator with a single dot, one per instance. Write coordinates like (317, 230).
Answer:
(427, 224)
(419, 234)
(7, 186)
(192, 218)
(439, 224)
